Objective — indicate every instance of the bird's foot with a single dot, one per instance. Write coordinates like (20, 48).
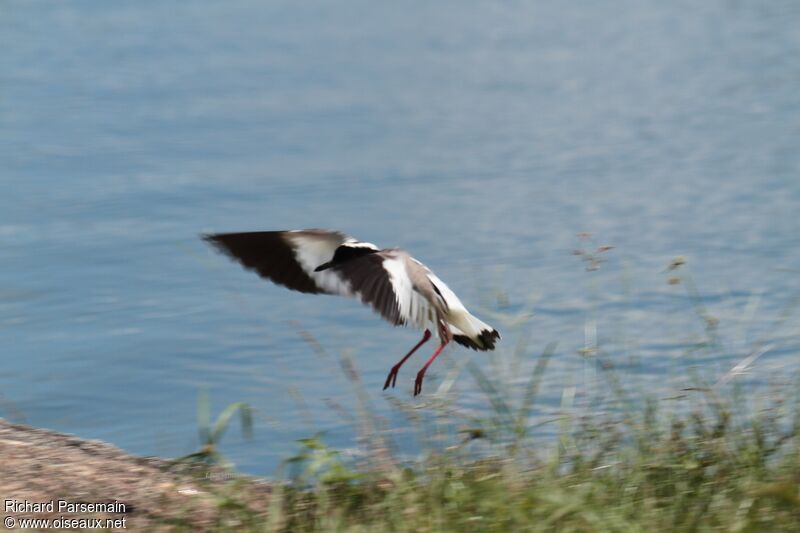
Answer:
(391, 379)
(418, 381)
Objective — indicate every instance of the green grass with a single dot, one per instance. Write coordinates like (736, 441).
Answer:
(657, 471)
(711, 458)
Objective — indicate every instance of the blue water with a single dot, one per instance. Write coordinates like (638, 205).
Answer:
(481, 137)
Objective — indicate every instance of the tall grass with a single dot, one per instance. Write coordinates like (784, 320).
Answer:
(704, 460)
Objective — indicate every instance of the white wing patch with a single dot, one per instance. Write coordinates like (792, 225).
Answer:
(312, 252)
(352, 243)
(421, 312)
(414, 309)
(450, 298)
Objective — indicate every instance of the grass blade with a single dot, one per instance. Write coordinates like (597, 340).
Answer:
(498, 403)
(225, 417)
(532, 390)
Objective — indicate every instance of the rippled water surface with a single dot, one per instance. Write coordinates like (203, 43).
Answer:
(483, 138)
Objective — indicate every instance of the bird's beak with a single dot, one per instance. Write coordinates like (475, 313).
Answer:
(323, 266)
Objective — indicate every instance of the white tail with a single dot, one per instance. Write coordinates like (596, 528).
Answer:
(471, 331)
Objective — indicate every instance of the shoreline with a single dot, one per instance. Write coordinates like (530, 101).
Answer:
(40, 469)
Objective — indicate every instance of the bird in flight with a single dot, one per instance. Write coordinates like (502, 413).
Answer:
(404, 291)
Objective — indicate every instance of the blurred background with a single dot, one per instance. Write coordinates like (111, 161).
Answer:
(484, 138)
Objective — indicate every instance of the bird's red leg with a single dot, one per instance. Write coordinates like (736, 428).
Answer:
(392, 378)
(421, 374)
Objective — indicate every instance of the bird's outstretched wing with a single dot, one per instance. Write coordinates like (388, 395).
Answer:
(288, 258)
(375, 285)
(324, 262)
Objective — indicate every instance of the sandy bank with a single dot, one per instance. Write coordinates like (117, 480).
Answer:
(42, 466)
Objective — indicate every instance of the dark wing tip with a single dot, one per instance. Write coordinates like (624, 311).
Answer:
(211, 238)
(222, 245)
(267, 253)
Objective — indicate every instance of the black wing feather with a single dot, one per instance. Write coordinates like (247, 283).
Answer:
(372, 282)
(268, 253)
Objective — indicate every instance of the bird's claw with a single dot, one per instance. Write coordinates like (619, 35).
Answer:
(418, 383)
(391, 379)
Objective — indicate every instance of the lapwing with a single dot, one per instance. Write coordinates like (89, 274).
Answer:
(401, 289)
